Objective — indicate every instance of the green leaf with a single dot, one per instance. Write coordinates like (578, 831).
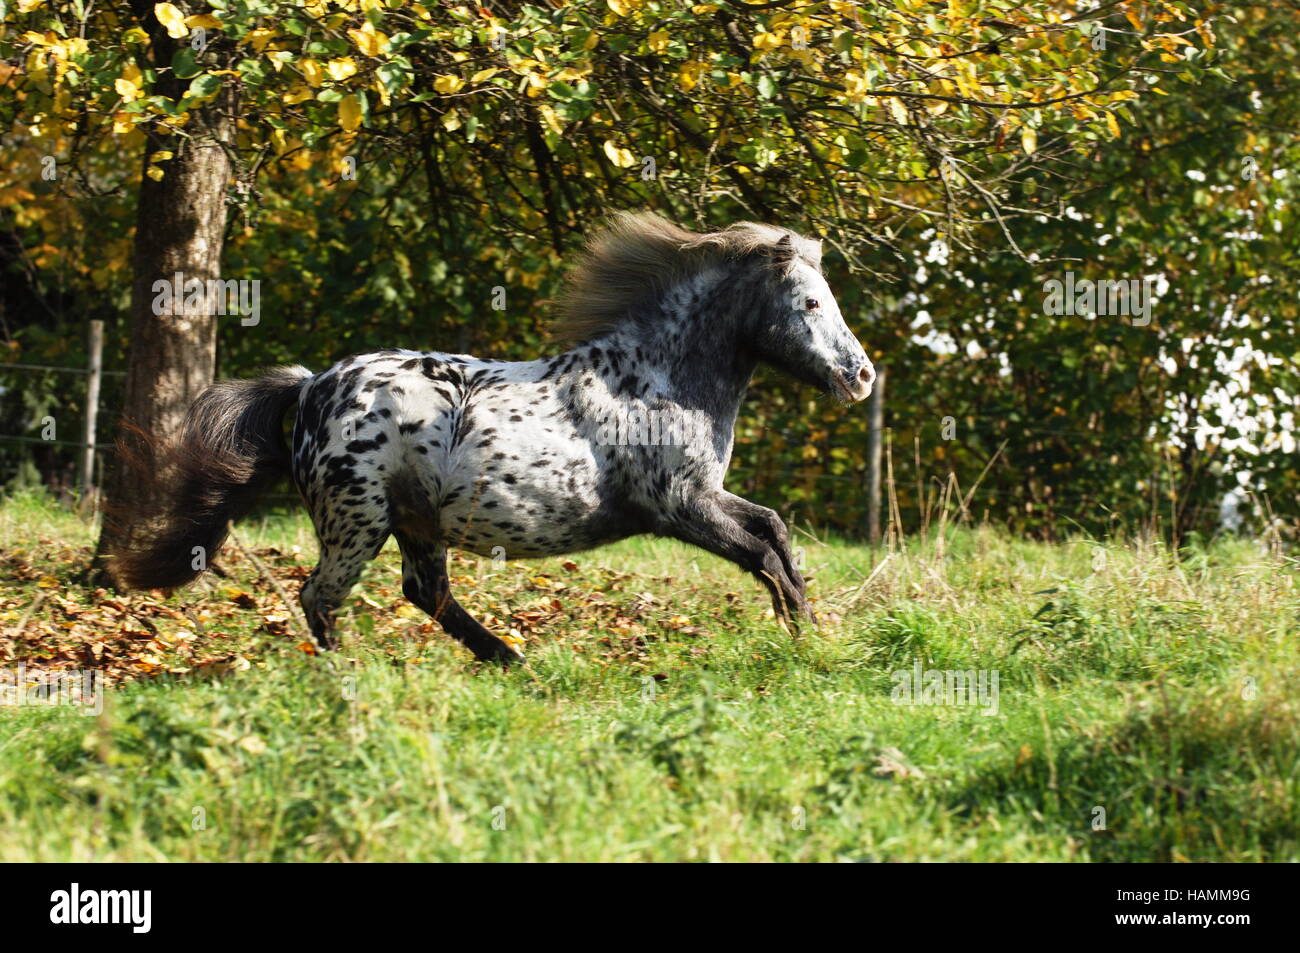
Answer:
(204, 85)
(184, 64)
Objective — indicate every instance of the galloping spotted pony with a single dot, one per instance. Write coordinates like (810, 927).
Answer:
(629, 431)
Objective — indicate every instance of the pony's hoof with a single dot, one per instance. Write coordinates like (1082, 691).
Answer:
(501, 653)
(790, 622)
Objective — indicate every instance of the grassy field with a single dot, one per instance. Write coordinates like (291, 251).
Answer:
(1146, 708)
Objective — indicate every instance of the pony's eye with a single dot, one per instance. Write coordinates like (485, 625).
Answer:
(812, 304)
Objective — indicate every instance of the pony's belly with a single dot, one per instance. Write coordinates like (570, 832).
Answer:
(517, 525)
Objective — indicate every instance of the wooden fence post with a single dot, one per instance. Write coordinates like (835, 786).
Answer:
(875, 438)
(87, 474)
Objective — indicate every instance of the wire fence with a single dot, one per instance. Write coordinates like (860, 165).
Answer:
(20, 438)
(94, 373)
(785, 476)
(16, 438)
(1028, 431)
(56, 367)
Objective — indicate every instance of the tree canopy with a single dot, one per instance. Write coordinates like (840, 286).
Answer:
(398, 170)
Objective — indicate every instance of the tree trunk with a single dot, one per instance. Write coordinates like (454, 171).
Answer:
(180, 227)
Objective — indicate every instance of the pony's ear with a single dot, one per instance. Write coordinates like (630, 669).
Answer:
(781, 252)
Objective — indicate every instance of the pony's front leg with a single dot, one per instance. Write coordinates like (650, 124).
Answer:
(708, 523)
(768, 526)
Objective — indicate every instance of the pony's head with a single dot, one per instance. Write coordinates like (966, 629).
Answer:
(801, 330)
(768, 291)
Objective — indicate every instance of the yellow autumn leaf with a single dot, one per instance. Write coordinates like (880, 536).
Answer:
(448, 84)
(297, 95)
(172, 19)
(73, 46)
(341, 69)
(482, 76)
(128, 84)
(534, 84)
(312, 72)
(154, 172)
(855, 86)
(898, 110)
(368, 40)
(658, 41)
(451, 120)
(278, 60)
(260, 38)
(204, 21)
(1112, 125)
(552, 119)
(126, 89)
(1029, 139)
(690, 73)
(349, 113)
(620, 157)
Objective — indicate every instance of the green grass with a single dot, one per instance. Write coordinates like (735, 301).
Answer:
(665, 716)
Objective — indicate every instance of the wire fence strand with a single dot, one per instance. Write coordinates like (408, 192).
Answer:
(53, 367)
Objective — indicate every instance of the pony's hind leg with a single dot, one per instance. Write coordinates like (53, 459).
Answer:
(333, 578)
(425, 583)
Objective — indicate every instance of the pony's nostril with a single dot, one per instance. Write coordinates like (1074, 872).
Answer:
(867, 374)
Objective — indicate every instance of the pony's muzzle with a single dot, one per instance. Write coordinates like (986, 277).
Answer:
(856, 386)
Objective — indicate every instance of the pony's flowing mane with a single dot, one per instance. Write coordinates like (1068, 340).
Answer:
(638, 254)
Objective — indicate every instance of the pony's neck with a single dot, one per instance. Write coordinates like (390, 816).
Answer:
(697, 337)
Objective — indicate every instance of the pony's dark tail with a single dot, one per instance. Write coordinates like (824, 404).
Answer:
(183, 494)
